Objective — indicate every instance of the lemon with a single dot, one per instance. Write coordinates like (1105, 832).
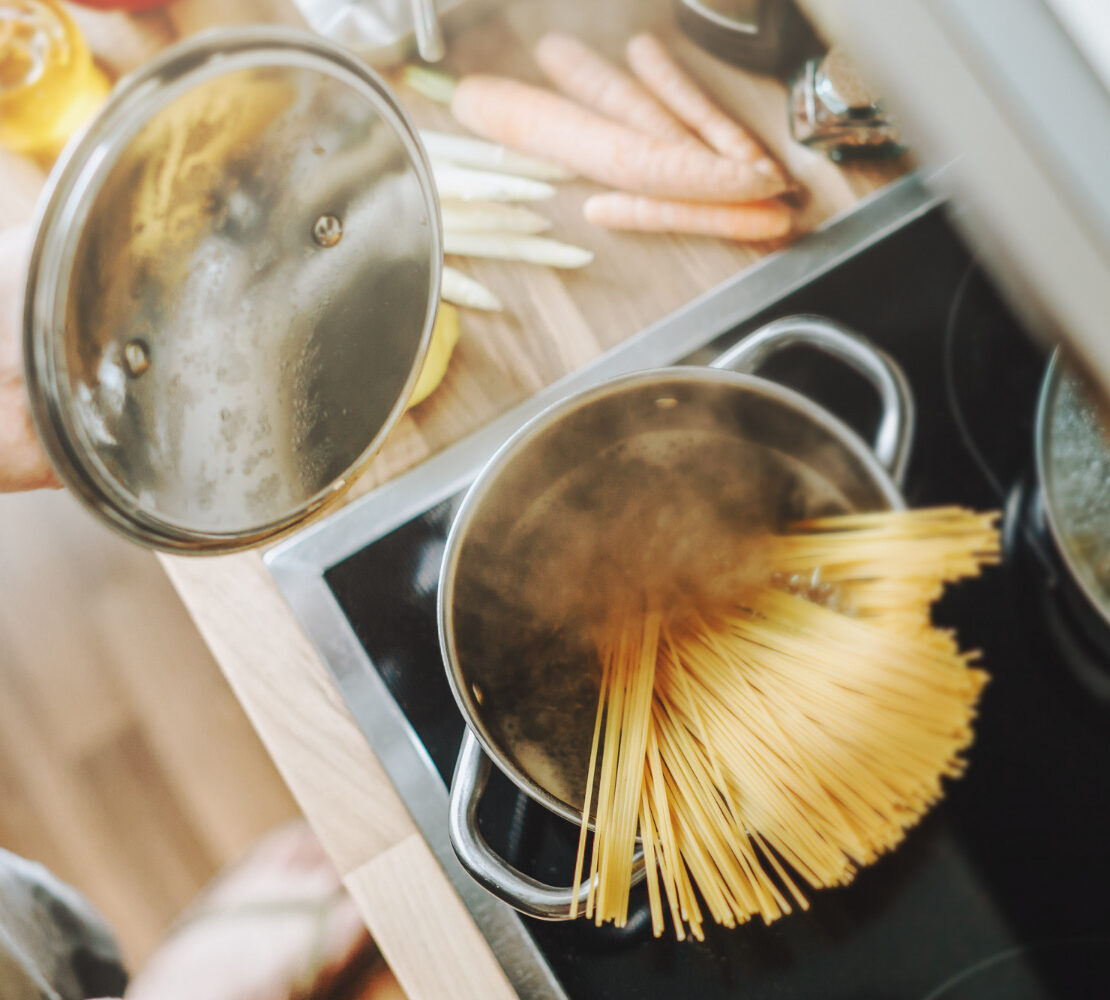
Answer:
(445, 335)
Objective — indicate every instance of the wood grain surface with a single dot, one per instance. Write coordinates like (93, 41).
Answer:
(126, 765)
(426, 930)
(553, 323)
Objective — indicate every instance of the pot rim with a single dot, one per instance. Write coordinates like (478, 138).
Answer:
(1055, 373)
(520, 440)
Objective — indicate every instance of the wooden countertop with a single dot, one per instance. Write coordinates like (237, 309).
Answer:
(554, 322)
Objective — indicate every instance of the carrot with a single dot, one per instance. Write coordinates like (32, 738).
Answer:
(750, 222)
(541, 123)
(659, 72)
(591, 79)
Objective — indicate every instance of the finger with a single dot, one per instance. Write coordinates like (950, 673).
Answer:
(23, 463)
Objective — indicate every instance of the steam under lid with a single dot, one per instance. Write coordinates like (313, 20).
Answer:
(232, 288)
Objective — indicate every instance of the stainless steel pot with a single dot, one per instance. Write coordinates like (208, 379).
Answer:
(1073, 469)
(567, 512)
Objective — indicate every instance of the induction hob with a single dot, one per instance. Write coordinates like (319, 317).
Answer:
(999, 892)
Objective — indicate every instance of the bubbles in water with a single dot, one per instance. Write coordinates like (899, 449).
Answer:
(1079, 480)
(327, 231)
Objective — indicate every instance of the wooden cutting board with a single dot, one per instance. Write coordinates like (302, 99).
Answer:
(555, 321)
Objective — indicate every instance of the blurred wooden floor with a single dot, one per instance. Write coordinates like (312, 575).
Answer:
(126, 764)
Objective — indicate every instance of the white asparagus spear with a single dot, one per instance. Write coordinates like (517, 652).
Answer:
(490, 217)
(482, 155)
(509, 246)
(484, 185)
(463, 290)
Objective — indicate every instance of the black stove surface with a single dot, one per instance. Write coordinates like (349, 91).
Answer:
(1005, 882)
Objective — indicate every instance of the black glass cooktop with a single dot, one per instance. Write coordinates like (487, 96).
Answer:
(1001, 891)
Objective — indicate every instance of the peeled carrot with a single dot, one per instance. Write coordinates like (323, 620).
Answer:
(589, 78)
(749, 223)
(541, 123)
(659, 72)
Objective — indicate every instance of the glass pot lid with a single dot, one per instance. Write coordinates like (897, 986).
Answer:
(232, 288)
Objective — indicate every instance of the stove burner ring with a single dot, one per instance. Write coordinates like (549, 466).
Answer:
(1072, 969)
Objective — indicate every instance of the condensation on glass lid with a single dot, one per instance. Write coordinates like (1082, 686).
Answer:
(252, 289)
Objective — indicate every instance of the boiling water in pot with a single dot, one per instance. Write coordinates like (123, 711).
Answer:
(666, 514)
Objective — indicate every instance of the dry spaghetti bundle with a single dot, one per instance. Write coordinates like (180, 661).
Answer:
(790, 735)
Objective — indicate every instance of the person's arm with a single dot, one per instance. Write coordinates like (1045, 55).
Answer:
(23, 464)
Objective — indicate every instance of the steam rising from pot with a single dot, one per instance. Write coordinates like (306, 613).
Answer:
(651, 494)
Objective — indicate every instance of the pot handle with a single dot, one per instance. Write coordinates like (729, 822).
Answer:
(895, 433)
(492, 872)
